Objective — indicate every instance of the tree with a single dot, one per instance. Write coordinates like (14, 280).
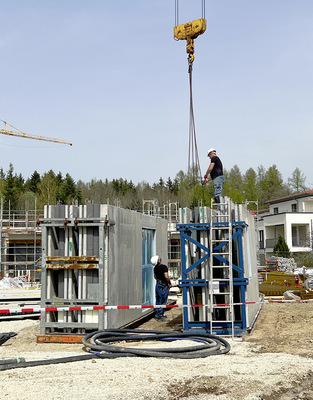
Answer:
(270, 184)
(68, 192)
(233, 186)
(10, 192)
(32, 183)
(26, 200)
(161, 182)
(281, 248)
(297, 181)
(249, 185)
(19, 183)
(169, 184)
(47, 190)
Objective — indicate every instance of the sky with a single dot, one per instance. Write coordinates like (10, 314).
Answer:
(109, 77)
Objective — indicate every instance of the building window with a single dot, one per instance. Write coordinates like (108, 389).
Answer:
(294, 207)
(275, 210)
(261, 239)
(147, 268)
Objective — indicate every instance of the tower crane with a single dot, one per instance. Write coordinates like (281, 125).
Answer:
(19, 133)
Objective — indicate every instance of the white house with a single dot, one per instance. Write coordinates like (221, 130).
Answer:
(290, 217)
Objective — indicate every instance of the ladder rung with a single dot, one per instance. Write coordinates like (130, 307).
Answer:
(224, 293)
(222, 321)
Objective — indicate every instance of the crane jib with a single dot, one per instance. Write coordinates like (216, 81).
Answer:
(19, 133)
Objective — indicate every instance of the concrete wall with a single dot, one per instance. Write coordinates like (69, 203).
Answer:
(125, 259)
(250, 266)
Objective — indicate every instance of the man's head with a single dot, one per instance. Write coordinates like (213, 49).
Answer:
(211, 152)
(155, 259)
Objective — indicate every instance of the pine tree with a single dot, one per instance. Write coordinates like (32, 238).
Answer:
(10, 191)
(281, 248)
(33, 182)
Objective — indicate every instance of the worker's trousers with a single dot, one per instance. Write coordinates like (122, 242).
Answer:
(218, 183)
(161, 295)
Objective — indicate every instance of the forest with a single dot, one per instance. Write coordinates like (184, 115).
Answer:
(20, 193)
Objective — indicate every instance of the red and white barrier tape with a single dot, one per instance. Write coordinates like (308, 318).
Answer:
(135, 307)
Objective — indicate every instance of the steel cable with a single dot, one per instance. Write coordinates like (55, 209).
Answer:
(193, 164)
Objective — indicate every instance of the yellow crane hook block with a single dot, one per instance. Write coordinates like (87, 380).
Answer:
(192, 29)
(189, 32)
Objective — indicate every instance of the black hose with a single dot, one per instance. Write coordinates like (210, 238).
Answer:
(207, 344)
(37, 363)
(16, 360)
(6, 336)
(99, 345)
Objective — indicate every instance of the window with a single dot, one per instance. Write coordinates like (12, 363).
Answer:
(147, 268)
(294, 207)
(275, 210)
(261, 239)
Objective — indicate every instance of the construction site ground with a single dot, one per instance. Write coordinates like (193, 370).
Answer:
(273, 362)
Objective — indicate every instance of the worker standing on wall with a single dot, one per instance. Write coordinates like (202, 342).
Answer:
(163, 284)
(215, 174)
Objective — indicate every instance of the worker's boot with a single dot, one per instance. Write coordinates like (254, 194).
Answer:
(217, 200)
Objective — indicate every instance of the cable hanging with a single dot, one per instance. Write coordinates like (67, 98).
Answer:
(194, 168)
(177, 11)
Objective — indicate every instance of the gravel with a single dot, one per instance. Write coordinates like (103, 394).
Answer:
(247, 372)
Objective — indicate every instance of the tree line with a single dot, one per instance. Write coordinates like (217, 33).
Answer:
(53, 188)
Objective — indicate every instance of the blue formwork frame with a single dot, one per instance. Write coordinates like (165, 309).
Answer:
(240, 326)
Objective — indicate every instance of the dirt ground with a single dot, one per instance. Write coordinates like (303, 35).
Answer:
(273, 362)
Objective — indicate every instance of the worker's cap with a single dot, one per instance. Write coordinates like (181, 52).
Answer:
(154, 260)
(211, 150)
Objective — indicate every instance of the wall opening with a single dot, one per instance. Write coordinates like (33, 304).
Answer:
(148, 246)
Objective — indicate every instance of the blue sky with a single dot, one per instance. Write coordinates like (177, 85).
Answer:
(109, 77)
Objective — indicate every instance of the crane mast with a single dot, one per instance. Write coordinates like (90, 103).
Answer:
(19, 133)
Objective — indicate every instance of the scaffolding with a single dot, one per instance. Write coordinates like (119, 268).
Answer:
(20, 244)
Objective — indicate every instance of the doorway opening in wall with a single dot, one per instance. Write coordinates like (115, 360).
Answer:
(148, 246)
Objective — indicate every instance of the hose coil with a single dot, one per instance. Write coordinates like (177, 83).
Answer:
(103, 342)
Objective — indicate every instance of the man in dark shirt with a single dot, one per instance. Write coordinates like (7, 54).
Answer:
(163, 283)
(215, 174)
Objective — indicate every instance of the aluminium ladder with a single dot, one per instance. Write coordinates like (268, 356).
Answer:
(220, 267)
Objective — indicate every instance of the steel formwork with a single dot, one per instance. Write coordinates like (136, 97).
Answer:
(73, 256)
(223, 311)
(92, 256)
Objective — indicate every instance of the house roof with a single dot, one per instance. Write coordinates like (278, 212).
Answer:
(291, 197)
(265, 210)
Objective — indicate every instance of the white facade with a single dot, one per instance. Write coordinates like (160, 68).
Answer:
(290, 217)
